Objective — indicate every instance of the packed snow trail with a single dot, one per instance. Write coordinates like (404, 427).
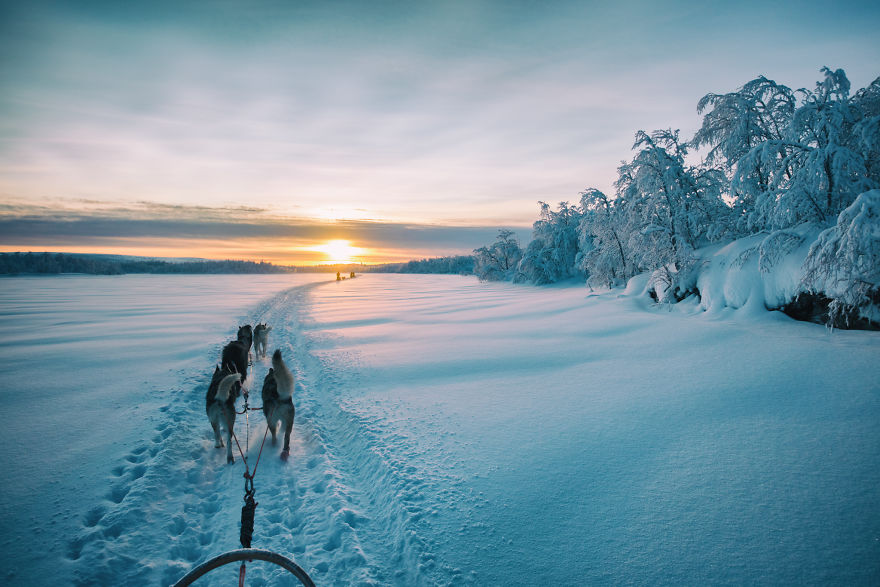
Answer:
(174, 502)
(95, 371)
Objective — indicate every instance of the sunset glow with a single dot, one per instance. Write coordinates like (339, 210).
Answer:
(339, 251)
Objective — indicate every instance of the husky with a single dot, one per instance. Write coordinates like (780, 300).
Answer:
(261, 340)
(220, 407)
(246, 336)
(278, 400)
(234, 359)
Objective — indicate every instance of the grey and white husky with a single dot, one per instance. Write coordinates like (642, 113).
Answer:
(278, 400)
(220, 406)
(261, 340)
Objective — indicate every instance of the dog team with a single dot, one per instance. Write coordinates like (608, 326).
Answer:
(229, 377)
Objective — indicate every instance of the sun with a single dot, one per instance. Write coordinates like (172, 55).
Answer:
(338, 251)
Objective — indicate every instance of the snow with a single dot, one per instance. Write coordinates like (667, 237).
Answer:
(759, 272)
(447, 432)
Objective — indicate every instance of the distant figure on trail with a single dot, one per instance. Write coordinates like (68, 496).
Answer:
(352, 275)
(338, 278)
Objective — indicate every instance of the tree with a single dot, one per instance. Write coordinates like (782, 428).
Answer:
(675, 207)
(817, 167)
(603, 240)
(499, 260)
(755, 117)
(866, 103)
(551, 254)
(844, 262)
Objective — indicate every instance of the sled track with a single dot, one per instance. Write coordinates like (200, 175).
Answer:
(344, 506)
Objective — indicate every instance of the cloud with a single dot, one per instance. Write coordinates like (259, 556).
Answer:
(239, 232)
(461, 112)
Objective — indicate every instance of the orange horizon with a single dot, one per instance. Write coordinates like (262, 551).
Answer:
(291, 257)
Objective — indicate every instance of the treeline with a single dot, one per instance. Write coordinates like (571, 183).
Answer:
(775, 159)
(54, 263)
(457, 265)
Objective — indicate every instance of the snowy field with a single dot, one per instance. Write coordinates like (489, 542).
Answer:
(447, 432)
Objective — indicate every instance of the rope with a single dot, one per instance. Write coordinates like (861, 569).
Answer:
(241, 452)
(248, 510)
(266, 433)
(249, 409)
(247, 425)
(243, 458)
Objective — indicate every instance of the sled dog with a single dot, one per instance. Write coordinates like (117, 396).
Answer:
(220, 407)
(234, 359)
(278, 400)
(246, 336)
(261, 340)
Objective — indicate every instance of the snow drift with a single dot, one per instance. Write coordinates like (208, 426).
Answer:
(839, 268)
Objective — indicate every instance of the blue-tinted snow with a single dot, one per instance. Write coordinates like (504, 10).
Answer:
(447, 432)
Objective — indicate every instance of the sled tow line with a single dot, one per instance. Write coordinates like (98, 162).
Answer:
(249, 508)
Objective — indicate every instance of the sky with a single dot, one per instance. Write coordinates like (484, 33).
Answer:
(264, 129)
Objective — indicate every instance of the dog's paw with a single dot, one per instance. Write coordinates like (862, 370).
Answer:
(230, 459)
(285, 454)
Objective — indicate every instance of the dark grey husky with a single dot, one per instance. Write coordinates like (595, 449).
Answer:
(278, 400)
(235, 355)
(220, 407)
(246, 336)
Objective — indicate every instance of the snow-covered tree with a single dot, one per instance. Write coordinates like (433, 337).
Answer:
(844, 263)
(866, 102)
(675, 207)
(552, 252)
(498, 261)
(817, 166)
(754, 116)
(603, 240)
(739, 121)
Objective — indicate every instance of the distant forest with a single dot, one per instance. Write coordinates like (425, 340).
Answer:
(54, 263)
(457, 265)
(57, 263)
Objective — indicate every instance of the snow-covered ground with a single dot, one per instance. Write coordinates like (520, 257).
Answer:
(447, 432)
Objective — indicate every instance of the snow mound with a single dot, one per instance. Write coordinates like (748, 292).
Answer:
(832, 275)
(760, 272)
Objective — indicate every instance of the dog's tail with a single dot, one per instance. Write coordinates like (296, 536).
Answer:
(226, 385)
(283, 376)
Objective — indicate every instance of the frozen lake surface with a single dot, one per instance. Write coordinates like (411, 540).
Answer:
(447, 432)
